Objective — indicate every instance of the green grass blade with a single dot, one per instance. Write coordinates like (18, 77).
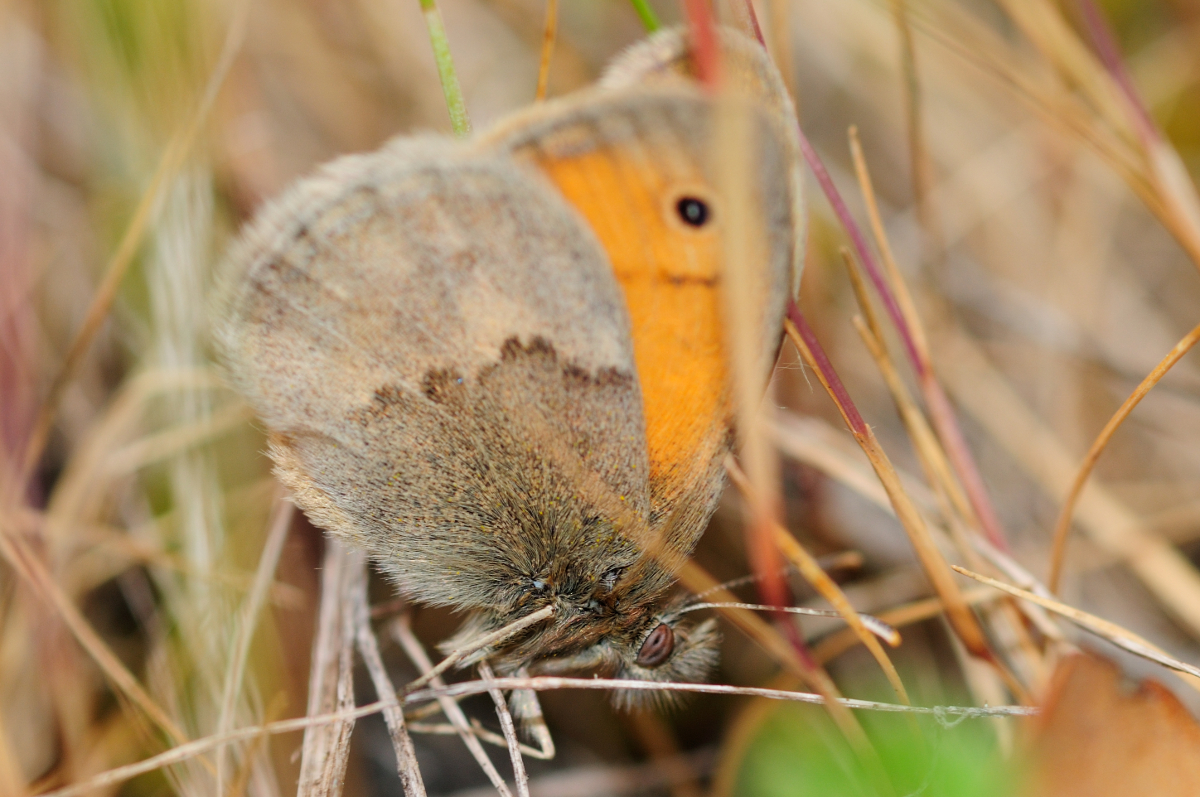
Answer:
(646, 15)
(445, 66)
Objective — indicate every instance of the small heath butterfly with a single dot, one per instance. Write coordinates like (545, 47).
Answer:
(499, 365)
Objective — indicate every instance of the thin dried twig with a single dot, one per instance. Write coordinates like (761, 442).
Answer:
(406, 757)
(477, 730)
(402, 633)
(696, 579)
(506, 725)
(323, 752)
(940, 411)
(929, 452)
(873, 624)
(499, 635)
(933, 455)
(900, 307)
(789, 655)
(837, 643)
(540, 683)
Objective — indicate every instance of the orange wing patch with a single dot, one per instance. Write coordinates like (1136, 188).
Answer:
(670, 273)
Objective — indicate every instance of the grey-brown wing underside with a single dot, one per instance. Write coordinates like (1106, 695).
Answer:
(441, 354)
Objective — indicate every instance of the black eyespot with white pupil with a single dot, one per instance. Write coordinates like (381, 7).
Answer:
(692, 211)
(657, 647)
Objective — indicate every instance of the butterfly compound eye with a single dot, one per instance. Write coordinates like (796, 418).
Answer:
(692, 211)
(657, 647)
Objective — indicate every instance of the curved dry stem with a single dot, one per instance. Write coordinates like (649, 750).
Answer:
(499, 635)
(1111, 523)
(509, 730)
(1062, 528)
(402, 632)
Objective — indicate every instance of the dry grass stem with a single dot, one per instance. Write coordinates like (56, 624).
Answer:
(699, 582)
(837, 643)
(1025, 241)
(281, 521)
(961, 618)
(368, 646)
(527, 708)
(873, 624)
(28, 565)
(949, 496)
(825, 586)
(172, 161)
(549, 33)
(1102, 628)
(483, 642)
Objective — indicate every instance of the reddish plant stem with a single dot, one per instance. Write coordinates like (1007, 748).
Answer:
(944, 419)
(957, 611)
(942, 415)
(845, 404)
(761, 549)
(702, 29)
(865, 255)
(1110, 55)
(940, 409)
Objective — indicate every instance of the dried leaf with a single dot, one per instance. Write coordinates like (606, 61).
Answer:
(1098, 738)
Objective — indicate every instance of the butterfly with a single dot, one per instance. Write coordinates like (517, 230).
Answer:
(499, 365)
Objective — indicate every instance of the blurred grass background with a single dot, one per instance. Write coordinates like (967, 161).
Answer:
(1049, 285)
